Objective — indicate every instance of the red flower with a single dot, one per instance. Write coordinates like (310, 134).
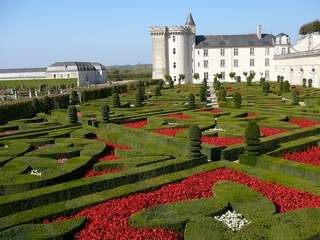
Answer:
(169, 131)
(136, 124)
(309, 156)
(177, 116)
(109, 220)
(221, 141)
(303, 122)
(264, 131)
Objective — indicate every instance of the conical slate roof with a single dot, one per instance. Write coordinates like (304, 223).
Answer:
(190, 21)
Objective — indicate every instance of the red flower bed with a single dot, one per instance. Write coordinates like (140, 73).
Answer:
(169, 131)
(221, 141)
(310, 156)
(264, 131)
(303, 122)
(136, 124)
(215, 110)
(177, 116)
(113, 145)
(109, 220)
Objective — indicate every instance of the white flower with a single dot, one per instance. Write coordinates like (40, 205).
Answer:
(235, 221)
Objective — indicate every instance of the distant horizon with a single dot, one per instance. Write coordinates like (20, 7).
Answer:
(38, 33)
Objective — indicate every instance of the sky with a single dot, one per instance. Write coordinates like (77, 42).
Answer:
(37, 33)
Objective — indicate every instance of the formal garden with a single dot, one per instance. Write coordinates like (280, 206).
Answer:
(150, 160)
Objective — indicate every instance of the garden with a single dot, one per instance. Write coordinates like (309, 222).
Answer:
(150, 160)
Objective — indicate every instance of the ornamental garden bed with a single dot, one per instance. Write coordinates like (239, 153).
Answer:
(309, 156)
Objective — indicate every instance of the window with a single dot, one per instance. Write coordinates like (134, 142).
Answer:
(205, 75)
(173, 38)
(222, 52)
(267, 62)
(251, 51)
(205, 52)
(223, 75)
(61, 75)
(54, 76)
(222, 63)
(68, 75)
(267, 51)
(251, 62)
(174, 65)
(174, 78)
(283, 51)
(198, 64)
(236, 63)
(267, 74)
(174, 51)
(198, 52)
(205, 64)
(235, 52)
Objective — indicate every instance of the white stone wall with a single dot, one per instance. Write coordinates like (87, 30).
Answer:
(214, 65)
(22, 75)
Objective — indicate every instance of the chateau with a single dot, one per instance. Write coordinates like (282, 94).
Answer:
(178, 51)
(85, 72)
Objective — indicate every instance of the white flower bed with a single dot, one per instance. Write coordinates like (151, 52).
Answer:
(235, 221)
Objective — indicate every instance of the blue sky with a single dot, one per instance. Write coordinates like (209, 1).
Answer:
(37, 33)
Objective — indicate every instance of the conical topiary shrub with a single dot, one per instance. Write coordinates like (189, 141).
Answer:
(116, 100)
(191, 101)
(252, 148)
(105, 113)
(139, 96)
(157, 90)
(195, 142)
(35, 106)
(295, 97)
(72, 114)
(74, 98)
(237, 99)
(222, 94)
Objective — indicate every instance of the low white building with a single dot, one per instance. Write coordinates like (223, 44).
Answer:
(85, 72)
(178, 50)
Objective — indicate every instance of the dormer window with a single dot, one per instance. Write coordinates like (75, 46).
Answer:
(174, 51)
(173, 38)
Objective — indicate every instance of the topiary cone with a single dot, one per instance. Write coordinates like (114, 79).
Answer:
(195, 142)
(105, 113)
(72, 114)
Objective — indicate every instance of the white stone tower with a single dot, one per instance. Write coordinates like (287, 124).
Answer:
(173, 51)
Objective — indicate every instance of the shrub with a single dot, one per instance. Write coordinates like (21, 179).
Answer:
(157, 90)
(191, 101)
(285, 86)
(252, 148)
(237, 99)
(72, 114)
(181, 77)
(216, 84)
(74, 98)
(295, 97)
(171, 84)
(249, 80)
(139, 96)
(262, 81)
(116, 100)
(232, 75)
(105, 113)
(266, 88)
(35, 106)
(310, 27)
(203, 91)
(195, 142)
(47, 104)
(222, 94)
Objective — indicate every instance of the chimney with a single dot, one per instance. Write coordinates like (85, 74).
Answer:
(259, 31)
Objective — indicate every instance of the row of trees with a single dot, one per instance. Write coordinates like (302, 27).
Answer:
(310, 27)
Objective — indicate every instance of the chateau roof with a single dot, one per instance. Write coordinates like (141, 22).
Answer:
(80, 66)
(22, 70)
(190, 21)
(242, 40)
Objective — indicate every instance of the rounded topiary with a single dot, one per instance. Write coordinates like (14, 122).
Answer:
(116, 100)
(191, 101)
(157, 90)
(295, 97)
(74, 98)
(72, 114)
(222, 94)
(171, 84)
(195, 142)
(266, 87)
(252, 133)
(237, 99)
(105, 113)
(286, 86)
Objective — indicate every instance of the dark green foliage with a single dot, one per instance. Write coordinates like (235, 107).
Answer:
(216, 84)
(295, 97)
(191, 101)
(72, 114)
(262, 81)
(181, 78)
(232, 75)
(304, 82)
(249, 80)
(171, 84)
(285, 86)
(61, 101)
(222, 94)
(266, 88)
(195, 142)
(47, 104)
(203, 91)
(252, 148)
(310, 27)
(167, 77)
(116, 100)
(252, 133)
(139, 96)
(74, 98)
(84, 96)
(196, 76)
(238, 78)
(237, 99)
(157, 90)
(35, 105)
(105, 113)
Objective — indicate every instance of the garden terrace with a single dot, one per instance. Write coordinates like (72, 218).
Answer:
(62, 180)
